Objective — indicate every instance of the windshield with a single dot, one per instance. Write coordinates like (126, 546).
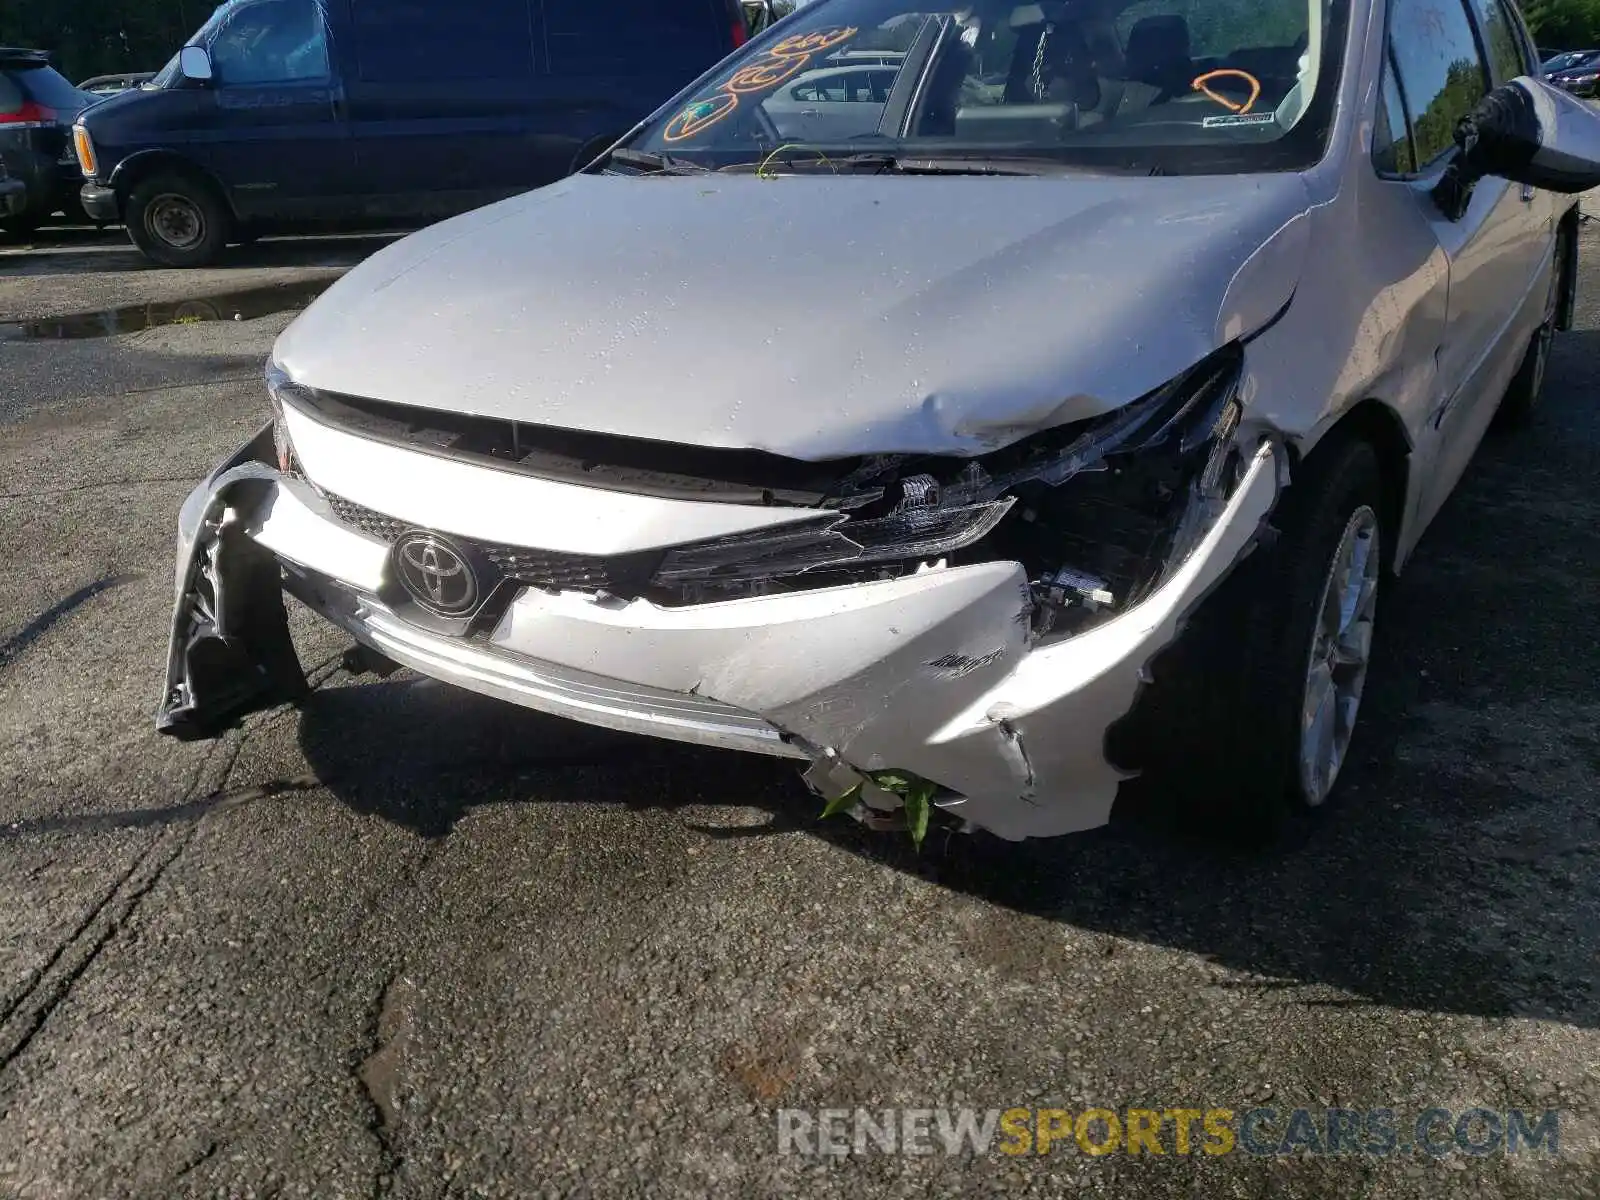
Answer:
(168, 75)
(258, 41)
(1161, 85)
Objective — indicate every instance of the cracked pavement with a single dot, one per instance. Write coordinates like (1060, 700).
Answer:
(410, 942)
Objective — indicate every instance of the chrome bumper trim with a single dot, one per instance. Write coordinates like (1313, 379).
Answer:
(560, 691)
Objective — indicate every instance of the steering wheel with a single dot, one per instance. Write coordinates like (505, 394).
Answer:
(1199, 85)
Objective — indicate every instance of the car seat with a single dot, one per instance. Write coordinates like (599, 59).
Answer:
(1052, 64)
(1158, 54)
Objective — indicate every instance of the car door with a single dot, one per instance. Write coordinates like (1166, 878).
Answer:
(275, 137)
(440, 104)
(1495, 248)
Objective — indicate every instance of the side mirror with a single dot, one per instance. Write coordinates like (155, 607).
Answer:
(194, 64)
(1527, 131)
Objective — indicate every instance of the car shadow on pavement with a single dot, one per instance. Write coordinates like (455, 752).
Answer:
(422, 755)
(1457, 871)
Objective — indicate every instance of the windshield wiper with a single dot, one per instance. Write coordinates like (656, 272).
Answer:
(886, 163)
(654, 164)
(1002, 165)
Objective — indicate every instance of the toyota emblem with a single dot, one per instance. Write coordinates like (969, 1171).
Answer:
(436, 574)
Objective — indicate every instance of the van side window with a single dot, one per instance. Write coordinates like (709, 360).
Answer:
(403, 41)
(1441, 71)
(679, 38)
(271, 41)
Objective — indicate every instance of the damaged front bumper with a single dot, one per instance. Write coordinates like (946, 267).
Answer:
(229, 651)
(938, 673)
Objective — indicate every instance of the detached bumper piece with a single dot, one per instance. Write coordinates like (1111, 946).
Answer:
(230, 654)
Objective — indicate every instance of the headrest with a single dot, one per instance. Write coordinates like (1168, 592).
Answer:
(1159, 39)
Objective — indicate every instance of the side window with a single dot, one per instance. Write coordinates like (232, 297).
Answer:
(1391, 135)
(274, 41)
(1441, 71)
(816, 89)
(1503, 40)
(402, 41)
(680, 38)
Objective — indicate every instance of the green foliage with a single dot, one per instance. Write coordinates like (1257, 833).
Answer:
(1435, 129)
(843, 802)
(916, 796)
(1564, 24)
(102, 37)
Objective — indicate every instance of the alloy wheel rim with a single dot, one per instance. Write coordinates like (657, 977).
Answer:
(1547, 331)
(175, 220)
(1541, 360)
(1341, 647)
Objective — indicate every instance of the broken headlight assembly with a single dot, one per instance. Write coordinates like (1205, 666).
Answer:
(1099, 512)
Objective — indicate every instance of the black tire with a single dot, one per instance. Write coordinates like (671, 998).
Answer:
(22, 226)
(1522, 396)
(178, 221)
(1223, 717)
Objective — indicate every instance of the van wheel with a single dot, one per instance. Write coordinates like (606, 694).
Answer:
(178, 221)
(1522, 397)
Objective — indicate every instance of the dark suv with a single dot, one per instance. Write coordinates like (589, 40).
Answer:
(37, 109)
(13, 194)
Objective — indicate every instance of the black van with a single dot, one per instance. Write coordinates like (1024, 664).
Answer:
(282, 113)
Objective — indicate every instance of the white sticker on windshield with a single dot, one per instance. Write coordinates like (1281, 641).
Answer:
(1261, 118)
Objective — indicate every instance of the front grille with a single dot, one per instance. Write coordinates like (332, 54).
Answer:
(371, 523)
(546, 568)
(623, 575)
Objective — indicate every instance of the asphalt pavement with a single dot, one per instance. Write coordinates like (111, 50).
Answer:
(407, 942)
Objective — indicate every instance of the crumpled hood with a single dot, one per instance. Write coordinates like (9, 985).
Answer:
(813, 316)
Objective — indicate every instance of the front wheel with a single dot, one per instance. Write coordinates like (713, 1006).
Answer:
(1522, 396)
(1309, 619)
(1251, 714)
(178, 221)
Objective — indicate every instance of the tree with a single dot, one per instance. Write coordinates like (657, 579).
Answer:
(1564, 24)
(96, 37)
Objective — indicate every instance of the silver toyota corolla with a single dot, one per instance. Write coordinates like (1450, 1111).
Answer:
(980, 404)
